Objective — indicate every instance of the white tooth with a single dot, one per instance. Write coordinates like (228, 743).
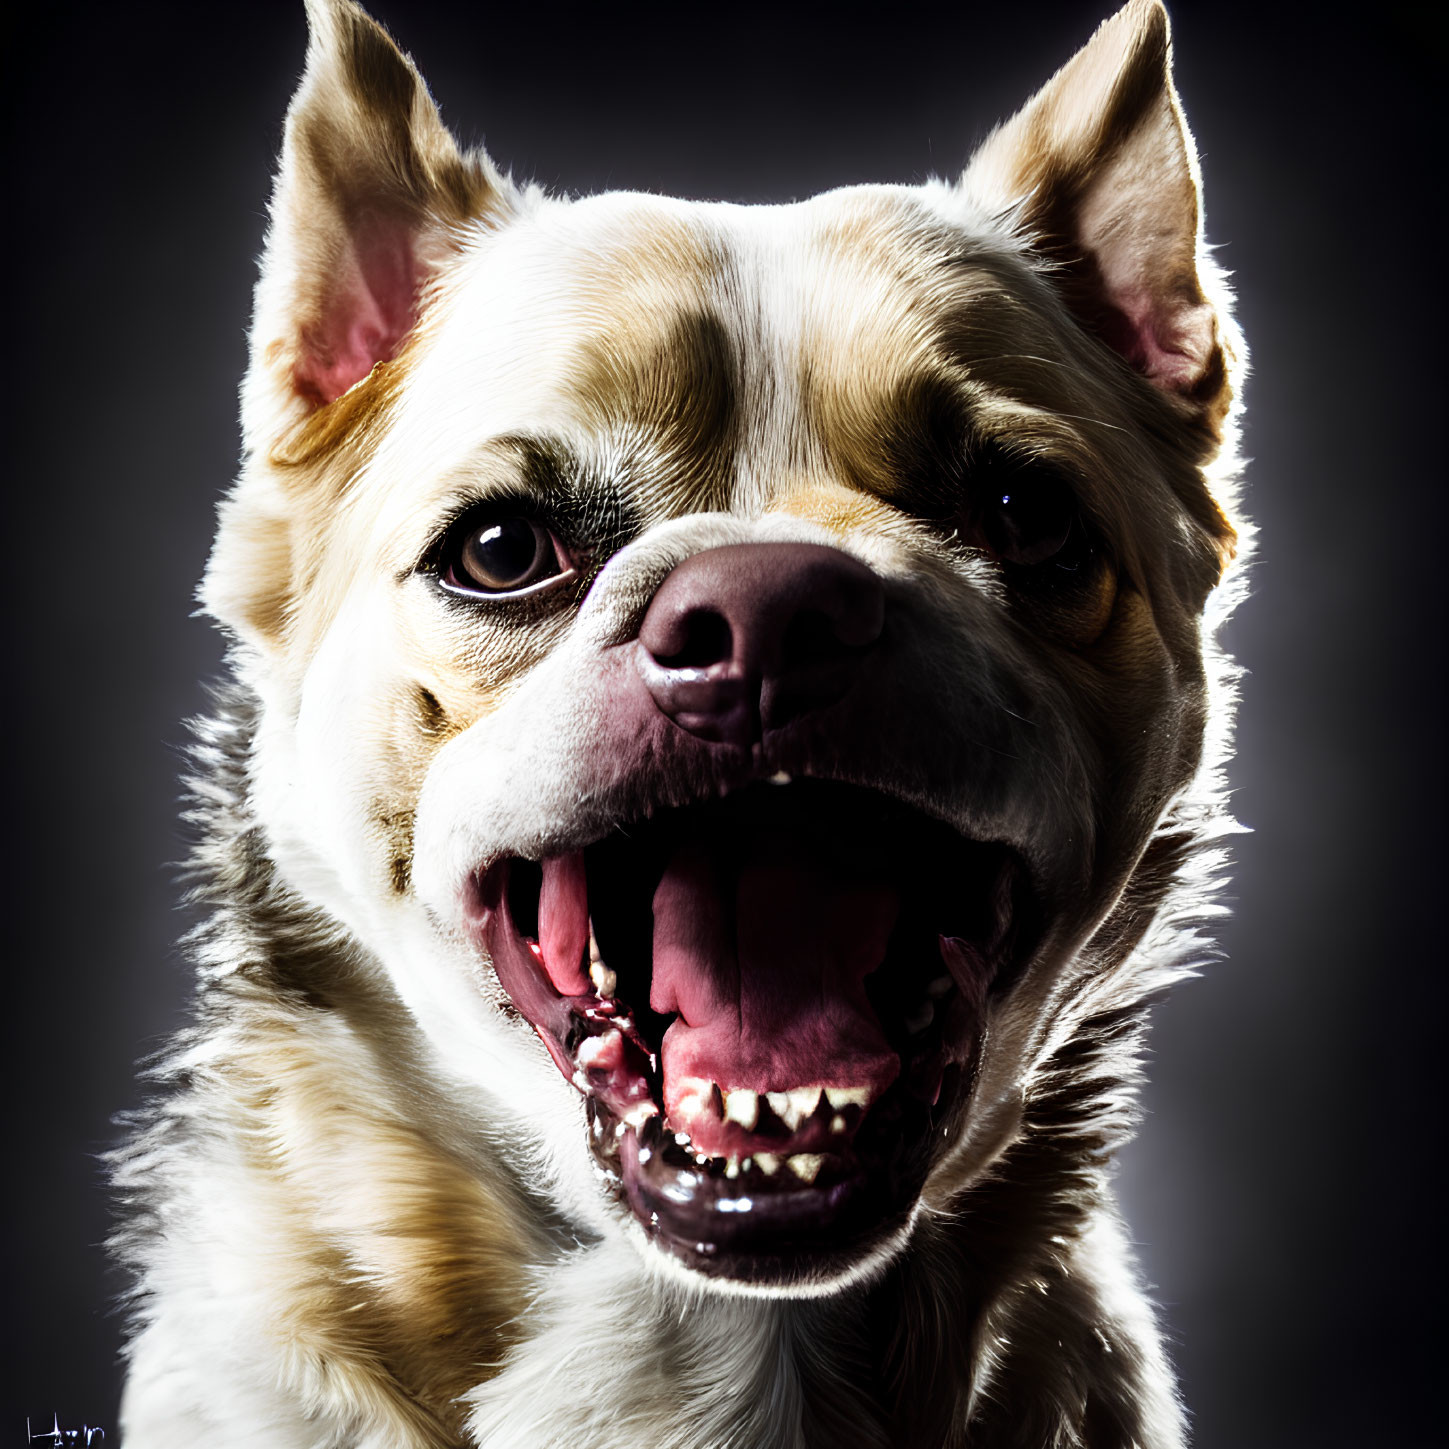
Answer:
(589, 1049)
(794, 1106)
(837, 1124)
(732, 1167)
(695, 1098)
(941, 986)
(780, 777)
(839, 1097)
(682, 1139)
(768, 1163)
(640, 1113)
(606, 982)
(805, 1165)
(919, 1019)
(743, 1106)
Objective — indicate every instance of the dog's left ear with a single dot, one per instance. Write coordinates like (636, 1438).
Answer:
(1101, 174)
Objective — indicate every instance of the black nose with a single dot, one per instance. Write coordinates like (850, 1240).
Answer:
(748, 637)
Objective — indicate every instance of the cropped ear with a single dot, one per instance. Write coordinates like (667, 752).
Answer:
(1102, 175)
(369, 201)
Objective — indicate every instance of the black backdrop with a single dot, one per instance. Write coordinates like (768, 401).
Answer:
(1283, 1190)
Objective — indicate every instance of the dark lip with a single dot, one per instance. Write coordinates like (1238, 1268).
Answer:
(792, 1231)
(765, 1229)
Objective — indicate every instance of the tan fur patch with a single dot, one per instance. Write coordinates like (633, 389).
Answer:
(360, 414)
(660, 370)
(401, 1273)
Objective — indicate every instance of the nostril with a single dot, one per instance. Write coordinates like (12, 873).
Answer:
(700, 638)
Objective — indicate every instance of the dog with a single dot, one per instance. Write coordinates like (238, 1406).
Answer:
(723, 748)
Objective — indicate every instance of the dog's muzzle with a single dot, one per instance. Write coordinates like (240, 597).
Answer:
(772, 994)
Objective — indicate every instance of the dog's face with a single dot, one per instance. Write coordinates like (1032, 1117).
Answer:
(726, 665)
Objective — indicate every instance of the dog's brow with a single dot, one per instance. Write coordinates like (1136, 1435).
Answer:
(536, 466)
(673, 384)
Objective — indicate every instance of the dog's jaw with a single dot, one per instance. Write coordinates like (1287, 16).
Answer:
(774, 1133)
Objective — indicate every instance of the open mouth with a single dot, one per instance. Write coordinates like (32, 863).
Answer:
(773, 1003)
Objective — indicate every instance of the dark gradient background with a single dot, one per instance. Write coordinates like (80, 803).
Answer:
(1286, 1184)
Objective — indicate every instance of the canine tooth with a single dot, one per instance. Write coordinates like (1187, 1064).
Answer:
(768, 1163)
(732, 1167)
(919, 1019)
(780, 777)
(837, 1124)
(805, 1165)
(941, 986)
(743, 1106)
(840, 1097)
(606, 981)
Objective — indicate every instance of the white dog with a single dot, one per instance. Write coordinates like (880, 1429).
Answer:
(722, 750)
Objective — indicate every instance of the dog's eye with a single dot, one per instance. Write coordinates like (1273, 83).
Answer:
(1031, 519)
(500, 556)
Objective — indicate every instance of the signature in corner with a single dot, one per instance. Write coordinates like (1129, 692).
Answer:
(56, 1435)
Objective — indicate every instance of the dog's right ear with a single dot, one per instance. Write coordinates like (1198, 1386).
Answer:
(372, 199)
(371, 196)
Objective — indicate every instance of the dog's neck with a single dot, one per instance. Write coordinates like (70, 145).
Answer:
(1058, 1348)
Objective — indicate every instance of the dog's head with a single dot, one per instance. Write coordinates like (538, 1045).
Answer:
(728, 667)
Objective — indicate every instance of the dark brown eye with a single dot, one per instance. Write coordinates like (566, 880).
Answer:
(502, 556)
(1032, 518)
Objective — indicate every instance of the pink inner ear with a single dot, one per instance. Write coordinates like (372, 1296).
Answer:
(1170, 343)
(1168, 337)
(370, 307)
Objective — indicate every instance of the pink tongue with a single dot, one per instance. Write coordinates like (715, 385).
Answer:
(764, 960)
